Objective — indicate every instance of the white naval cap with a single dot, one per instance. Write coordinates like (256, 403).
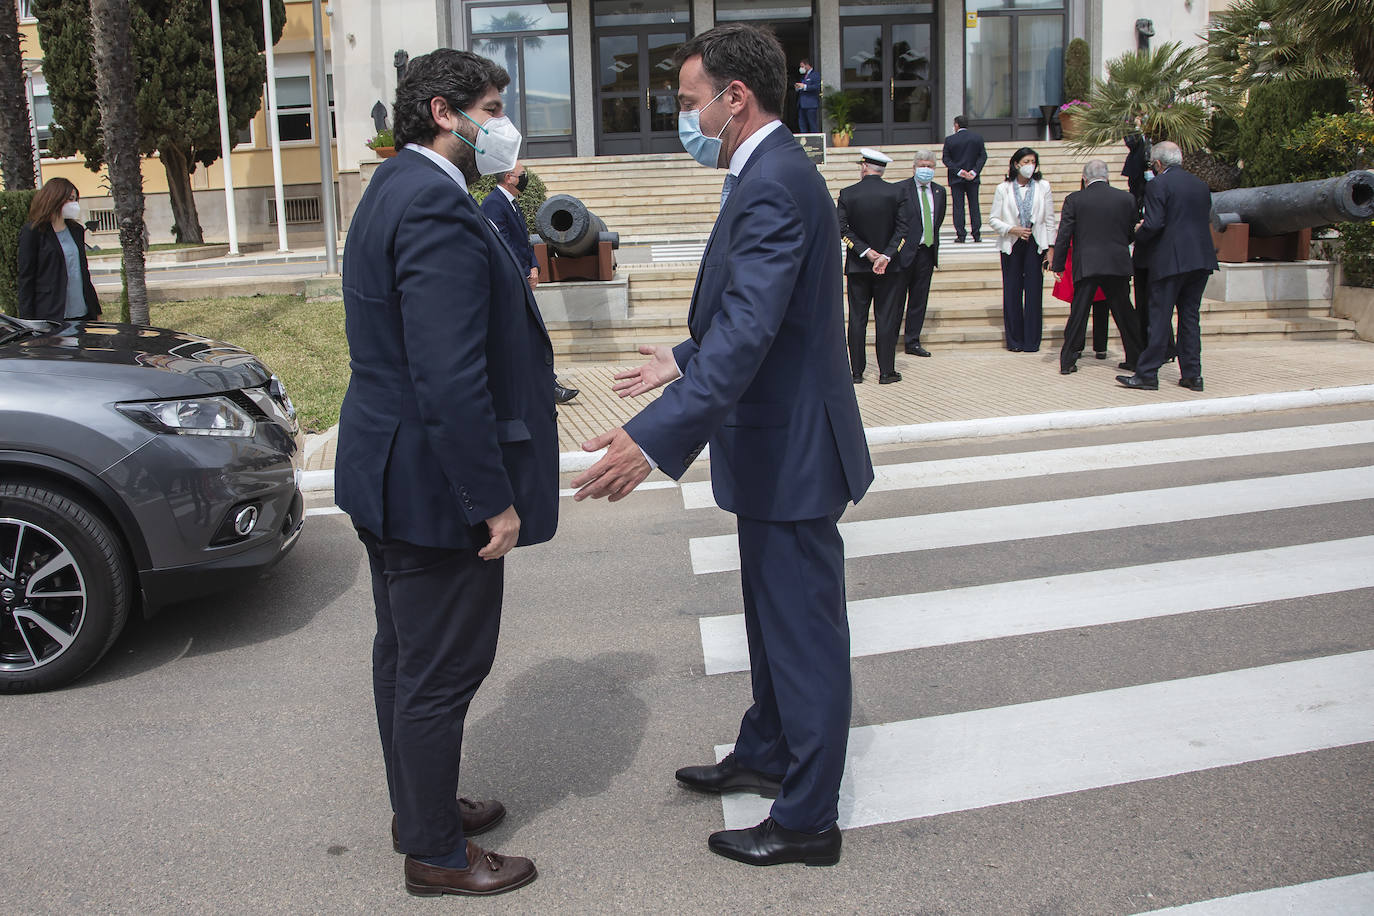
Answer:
(874, 157)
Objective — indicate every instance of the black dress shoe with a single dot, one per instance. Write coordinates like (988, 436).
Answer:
(563, 395)
(769, 843)
(1135, 381)
(1129, 367)
(858, 378)
(889, 378)
(1101, 354)
(977, 240)
(729, 776)
(958, 241)
(1194, 384)
(1068, 370)
(917, 350)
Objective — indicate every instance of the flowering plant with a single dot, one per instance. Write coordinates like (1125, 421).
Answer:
(383, 138)
(1076, 103)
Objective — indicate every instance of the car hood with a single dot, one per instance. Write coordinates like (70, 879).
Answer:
(158, 361)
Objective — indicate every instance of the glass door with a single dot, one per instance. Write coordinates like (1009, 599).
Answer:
(637, 90)
(889, 66)
(1013, 64)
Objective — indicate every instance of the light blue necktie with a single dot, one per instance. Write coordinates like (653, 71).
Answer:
(730, 179)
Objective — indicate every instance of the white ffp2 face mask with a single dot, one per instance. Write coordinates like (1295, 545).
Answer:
(500, 144)
(72, 210)
(1027, 171)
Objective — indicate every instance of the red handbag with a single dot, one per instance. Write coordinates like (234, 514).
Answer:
(1063, 287)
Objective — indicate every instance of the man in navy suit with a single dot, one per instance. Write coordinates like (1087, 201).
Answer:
(965, 154)
(765, 378)
(448, 450)
(502, 208)
(921, 254)
(808, 99)
(1177, 233)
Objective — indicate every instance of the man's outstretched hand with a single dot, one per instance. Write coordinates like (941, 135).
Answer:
(619, 471)
(659, 370)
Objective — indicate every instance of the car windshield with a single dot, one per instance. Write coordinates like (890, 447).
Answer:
(14, 328)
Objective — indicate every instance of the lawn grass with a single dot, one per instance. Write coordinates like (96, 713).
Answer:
(303, 342)
(160, 246)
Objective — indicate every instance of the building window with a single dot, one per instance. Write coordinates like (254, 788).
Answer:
(25, 10)
(1014, 64)
(42, 114)
(293, 108)
(531, 41)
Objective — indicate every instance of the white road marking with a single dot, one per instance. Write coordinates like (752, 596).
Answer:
(1072, 516)
(941, 764)
(324, 510)
(903, 622)
(1348, 895)
(981, 468)
(647, 485)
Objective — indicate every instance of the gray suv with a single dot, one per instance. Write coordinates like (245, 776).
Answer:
(138, 467)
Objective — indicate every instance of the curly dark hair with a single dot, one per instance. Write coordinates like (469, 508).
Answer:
(460, 77)
(741, 52)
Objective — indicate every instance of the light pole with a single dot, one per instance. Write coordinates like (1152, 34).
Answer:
(273, 132)
(331, 236)
(225, 149)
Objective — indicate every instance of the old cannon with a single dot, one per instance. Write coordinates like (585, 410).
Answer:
(1276, 221)
(576, 244)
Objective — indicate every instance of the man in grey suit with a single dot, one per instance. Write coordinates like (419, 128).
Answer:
(1100, 222)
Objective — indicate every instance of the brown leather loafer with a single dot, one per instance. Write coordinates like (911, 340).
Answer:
(486, 873)
(478, 817)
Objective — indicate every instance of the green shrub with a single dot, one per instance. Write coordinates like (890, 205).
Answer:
(1078, 61)
(14, 212)
(530, 200)
(1357, 253)
(1274, 112)
(1334, 144)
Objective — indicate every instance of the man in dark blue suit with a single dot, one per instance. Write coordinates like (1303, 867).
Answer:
(965, 154)
(501, 207)
(448, 450)
(808, 98)
(764, 378)
(1177, 233)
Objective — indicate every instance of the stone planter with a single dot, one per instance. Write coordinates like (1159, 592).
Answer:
(1355, 303)
(384, 152)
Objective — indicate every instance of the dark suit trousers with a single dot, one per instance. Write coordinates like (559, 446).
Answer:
(438, 617)
(1023, 289)
(959, 190)
(808, 120)
(792, 574)
(917, 282)
(1142, 313)
(884, 293)
(1183, 291)
(1118, 301)
(1100, 313)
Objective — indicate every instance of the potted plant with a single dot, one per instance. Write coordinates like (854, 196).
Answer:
(1068, 117)
(383, 144)
(839, 108)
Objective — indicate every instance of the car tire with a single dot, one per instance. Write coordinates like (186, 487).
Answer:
(64, 588)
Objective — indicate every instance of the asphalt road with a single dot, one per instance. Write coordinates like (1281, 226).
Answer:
(223, 758)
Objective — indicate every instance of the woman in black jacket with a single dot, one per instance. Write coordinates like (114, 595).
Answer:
(54, 280)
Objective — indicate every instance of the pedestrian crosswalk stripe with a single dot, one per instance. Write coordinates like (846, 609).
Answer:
(903, 622)
(1348, 895)
(923, 767)
(981, 468)
(1072, 516)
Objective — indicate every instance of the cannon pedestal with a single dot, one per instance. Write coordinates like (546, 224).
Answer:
(1236, 245)
(556, 268)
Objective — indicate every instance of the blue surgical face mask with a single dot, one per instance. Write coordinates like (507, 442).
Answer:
(925, 175)
(702, 148)
(1149, 175)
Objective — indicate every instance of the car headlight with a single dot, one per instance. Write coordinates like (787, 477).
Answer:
(208, 416)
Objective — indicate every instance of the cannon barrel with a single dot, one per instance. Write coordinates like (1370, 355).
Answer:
(1281, 208)
(570, 228)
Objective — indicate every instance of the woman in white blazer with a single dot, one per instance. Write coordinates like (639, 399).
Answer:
(1023, 217)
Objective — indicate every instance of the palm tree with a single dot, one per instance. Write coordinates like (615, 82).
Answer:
(114, 83)
(1167, 94)
(16, 138)
(1339, 29)
(1263, 44)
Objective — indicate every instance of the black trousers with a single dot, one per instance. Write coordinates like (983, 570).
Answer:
(916, 279)
(1184, 293)
(438, 618)
(1142, 313)
(958, 190)
(1100, 313)
(1117, 302)
(884, 293)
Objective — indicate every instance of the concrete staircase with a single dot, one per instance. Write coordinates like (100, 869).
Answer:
(663, 206)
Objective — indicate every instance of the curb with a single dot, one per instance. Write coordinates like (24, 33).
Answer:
(569, 462)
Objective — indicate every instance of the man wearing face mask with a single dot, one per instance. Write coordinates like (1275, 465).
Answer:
(765, 378)
(502, 208)
(808, 98)
(921, 254)
(448, 449)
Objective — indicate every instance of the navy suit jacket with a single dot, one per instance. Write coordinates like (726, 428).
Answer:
(964, 150)
(765, 374)
(512, 227)
(449, 415)
(1178, 231)
(916, 222)
(809, 96)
